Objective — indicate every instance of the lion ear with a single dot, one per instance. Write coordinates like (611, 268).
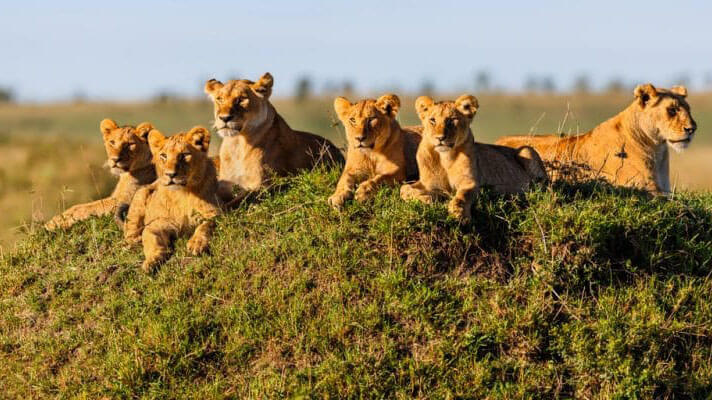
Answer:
(422, 104)
(199, 138)
(467, 104)
(212, 85)
(107, 125)
(644, 93)
(341, 106)
(155, 140)
(142, 130)
(263, 86)
(389, 104)
(679, 90)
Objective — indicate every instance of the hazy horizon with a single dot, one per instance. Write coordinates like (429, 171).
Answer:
(135, 50)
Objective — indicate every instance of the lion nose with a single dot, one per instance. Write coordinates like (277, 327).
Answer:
(690, 130)
(360, 138)
(226, 118)
(440, 138)
(170, 174)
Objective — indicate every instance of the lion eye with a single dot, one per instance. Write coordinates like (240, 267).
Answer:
(219, 99)
(352, 120)
(163, 156)
(432, 121)
(672, 111)
(112, 142)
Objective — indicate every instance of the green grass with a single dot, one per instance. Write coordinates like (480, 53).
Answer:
(580, 291)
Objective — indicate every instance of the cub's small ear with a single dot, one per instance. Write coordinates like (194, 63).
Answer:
(212, 85)
(679, 90)
(467, 104)
(423, 104)
(108, 125)
(263, 86)
(389, 104)
(341, 106)
(644, 93)
(155, 140)
(142, 130)
(199, 138)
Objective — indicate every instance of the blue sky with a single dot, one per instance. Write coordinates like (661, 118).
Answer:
(132, 49)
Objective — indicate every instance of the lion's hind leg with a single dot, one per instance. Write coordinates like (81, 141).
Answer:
(532, 163)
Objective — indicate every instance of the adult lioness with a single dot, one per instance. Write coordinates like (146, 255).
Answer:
(379, 150)
(183, 199)
(129, 157)
(450, 161)
(257, 141)
(630, 149)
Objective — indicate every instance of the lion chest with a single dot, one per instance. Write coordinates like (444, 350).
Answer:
(240, 164)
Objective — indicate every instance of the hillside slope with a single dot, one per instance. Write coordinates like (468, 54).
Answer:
(585, 291)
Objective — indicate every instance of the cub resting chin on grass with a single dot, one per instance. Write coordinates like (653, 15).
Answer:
(379, 150)
(451, 162)
(128, 157)
(183, 199)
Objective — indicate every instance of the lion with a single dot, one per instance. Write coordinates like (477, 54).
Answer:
(630, 149)
(257, 142)
(183, 199)
(379, 150)
(129, 157)
(451, 162)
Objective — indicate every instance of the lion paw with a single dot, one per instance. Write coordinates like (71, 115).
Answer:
(198, 245)
(456, 209)
(337, 200)
(364, 192)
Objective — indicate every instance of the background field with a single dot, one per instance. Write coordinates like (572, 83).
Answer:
(52, 154)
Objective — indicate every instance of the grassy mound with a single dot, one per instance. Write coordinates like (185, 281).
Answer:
(571, 291)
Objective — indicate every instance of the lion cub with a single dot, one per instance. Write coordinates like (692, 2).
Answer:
(450, 161)
(379, 150)
(182, 200)
(129, 157)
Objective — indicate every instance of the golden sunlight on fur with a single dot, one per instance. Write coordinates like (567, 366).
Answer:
(379, 150)
(256, 140)
(630, 149)
(451, 162)
(182, 201)
(128, 157)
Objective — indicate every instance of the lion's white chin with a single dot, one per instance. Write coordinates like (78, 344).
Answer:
(442, 149)
(227, 132)
(679, 147)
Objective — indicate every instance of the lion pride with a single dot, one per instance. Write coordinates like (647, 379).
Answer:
(256, 140)
(451, 162)
(128, 157)
(379, 150)
(630, 149)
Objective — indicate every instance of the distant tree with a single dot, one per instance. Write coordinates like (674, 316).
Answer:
(79, 97)
(347, 88)
(582, 84)
(615, 85)
(483, 81)
(548, 84)
(708, 80)
(303, 90)
(6, 95)
(427, 88)
(682, 79)
(164, 96)
(531, 84)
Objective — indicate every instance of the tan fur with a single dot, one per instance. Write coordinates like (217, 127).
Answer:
(630, 149)
(451, 162)
(183, 199)
(256, 140)
(379, 150)
(129, 157)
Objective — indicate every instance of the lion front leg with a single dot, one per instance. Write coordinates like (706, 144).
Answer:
(200, 241)
(134, 224)
(460, 205)
(344, 190)
(156, 240)
(81, 212)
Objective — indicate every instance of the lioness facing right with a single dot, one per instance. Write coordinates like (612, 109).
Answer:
(450, 161)
(630, 149)
(379, 150)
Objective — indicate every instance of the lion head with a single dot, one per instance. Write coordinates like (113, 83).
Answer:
(126, 146)
(182, 159)
(240, 105)
(369, 122)
(446, 124)
(665, 115)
